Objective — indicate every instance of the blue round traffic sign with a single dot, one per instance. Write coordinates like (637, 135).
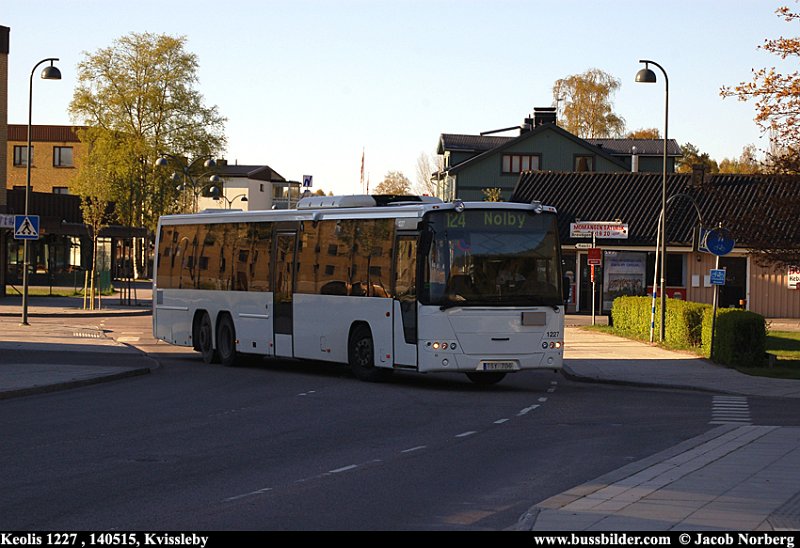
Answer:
(719, 241)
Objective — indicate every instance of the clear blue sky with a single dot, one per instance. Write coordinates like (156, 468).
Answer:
(307, 84)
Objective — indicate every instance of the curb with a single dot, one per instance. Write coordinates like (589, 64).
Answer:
(46, 388)
(571, 375)
(78, 314)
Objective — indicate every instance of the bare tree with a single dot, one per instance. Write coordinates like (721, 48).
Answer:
(427, 165)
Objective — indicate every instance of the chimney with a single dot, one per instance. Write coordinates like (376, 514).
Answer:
(544, 115)
(526, 126)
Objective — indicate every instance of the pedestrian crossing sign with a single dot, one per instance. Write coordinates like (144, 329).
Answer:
(26, 227)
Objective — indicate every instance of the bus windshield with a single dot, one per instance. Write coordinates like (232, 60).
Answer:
(491, 257)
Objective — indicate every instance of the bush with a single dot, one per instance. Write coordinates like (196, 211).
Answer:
(684, 323)
(631, 317)
(740, 339)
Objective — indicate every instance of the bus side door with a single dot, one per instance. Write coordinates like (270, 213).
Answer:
(283, 271)
(405, 303)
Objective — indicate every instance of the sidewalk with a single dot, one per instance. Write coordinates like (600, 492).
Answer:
(43, 356)
(733, 477)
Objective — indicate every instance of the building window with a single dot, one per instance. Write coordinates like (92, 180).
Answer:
(60, 190)
(62, 157)
(517, 163)
(21, 155)
(584, 163)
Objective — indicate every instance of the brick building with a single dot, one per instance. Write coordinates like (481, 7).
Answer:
(56, 152)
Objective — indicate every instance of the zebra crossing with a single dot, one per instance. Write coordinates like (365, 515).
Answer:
(730, 410)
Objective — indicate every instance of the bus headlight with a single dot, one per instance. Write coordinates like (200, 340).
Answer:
(441, 345)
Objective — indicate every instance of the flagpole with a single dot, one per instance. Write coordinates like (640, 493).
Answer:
(362, 169)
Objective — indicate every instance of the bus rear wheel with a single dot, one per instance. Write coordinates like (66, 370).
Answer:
(486, 379)
(361, 355)
(204, 339)
(226, 341)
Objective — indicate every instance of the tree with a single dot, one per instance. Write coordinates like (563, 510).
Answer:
(747, 162)
(427, 165)
(394, 183)
(93, 183)
(777, 99)
(138, 99)
(692, 157)
(584, 104)
(772, 231)
(644, 133)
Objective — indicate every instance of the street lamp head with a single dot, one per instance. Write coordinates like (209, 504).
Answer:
(162, 162)
(51, 72)
(214, 179)
(208, 164)
(646, 76)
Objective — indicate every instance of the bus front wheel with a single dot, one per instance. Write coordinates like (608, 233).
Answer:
(361, 356)
(486, 379)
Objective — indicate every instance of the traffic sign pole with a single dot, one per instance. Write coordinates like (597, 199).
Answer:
(719, 242)
(714, 312)
(594, 285)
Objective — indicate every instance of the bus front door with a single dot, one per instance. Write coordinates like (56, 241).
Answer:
(283, 289)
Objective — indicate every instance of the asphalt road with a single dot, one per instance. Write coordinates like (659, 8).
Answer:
(294, 446)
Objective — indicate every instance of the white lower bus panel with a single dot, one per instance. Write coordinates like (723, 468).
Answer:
(489, 339)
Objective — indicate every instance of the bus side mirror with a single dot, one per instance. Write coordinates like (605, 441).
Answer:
(565, 287)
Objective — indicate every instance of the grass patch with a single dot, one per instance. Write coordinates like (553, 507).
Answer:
(784, 344)
(39, 291)
(785, 347)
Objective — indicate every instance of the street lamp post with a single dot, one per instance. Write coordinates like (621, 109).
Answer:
(48, 73)
(186, 172)
(229, 202)
(647, 76)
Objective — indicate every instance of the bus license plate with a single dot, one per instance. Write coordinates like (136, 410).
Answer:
(499, 366)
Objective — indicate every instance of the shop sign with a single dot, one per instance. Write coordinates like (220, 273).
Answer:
(794, 277)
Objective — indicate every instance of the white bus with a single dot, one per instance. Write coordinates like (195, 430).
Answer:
(418, 285)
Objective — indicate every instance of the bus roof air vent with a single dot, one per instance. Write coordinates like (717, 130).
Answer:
(324, 202)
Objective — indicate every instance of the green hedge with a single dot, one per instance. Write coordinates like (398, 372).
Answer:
(740, 339)
(740, 335)
(631, 317)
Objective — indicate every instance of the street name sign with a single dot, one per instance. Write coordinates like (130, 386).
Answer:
(599, 229)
